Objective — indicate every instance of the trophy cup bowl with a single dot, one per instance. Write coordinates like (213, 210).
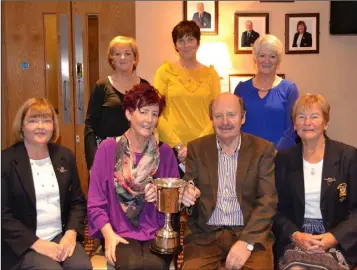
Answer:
(167, 241)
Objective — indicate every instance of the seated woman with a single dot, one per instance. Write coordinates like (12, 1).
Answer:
(42, 205)
(316, 180)
(121, 198)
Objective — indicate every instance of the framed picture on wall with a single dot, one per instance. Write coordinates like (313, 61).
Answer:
(204, 13)
(248, 27)
(302, 33)
(235, 79)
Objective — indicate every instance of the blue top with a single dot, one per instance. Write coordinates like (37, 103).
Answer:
(270, 117)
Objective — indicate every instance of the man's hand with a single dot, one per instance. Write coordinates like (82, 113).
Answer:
(68, 244)
(237, 256)
(189, 195)
(47, 248)
(327, 240)
(150, 193)
(111, 243)
(182, 154)
(307, 242)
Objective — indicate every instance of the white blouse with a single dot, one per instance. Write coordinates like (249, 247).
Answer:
(312, 182)
(48, 206)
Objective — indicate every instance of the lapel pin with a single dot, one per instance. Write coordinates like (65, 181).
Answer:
(62, 170)
(329, 180)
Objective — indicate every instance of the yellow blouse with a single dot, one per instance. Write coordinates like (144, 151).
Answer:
(188, 94)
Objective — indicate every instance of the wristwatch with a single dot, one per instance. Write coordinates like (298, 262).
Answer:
(250, 247)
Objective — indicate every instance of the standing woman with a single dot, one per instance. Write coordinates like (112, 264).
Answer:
(105, 116)
(42, 205)
(189, 88)
(269, 98)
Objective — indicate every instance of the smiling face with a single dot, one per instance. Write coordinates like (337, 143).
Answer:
(310, 123)
(267, 61)
(301, 28)
(187, 47)
(37, 129)
(227, 118)
(123, 57)
(143, 121)
(249, 26)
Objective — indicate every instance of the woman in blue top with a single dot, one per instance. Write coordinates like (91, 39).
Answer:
(269, 98)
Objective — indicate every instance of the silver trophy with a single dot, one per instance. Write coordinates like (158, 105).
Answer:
(167, 241)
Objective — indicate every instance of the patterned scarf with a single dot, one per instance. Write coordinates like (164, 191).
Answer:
(130, 178)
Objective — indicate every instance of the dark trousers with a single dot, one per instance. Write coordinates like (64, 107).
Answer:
(36, 261)
(137, 255)
(210, 255)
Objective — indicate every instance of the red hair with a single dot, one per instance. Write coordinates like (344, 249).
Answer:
(143, 95)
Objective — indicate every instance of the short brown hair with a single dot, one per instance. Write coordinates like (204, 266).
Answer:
(307, 101)
(186, 28)
(34, 107)
(123, 40)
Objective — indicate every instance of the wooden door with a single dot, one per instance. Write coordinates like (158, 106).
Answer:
(57, 49)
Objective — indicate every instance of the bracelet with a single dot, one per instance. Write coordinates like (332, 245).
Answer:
(179, 147)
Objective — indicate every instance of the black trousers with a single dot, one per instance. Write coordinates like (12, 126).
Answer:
(36, 261)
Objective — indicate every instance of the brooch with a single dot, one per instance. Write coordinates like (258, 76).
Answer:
(61, 170)
(329, 180)
(342, 188)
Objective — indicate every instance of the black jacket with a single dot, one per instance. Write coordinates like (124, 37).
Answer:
(339, 214)
(18, 200)
(306, 40)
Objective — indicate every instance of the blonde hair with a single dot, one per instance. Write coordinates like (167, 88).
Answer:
(269, 42)
(123, 40)
(34, 107)
(308, 100)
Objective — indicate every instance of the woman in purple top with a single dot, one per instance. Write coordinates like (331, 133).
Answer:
(268, 98)
(121, 198)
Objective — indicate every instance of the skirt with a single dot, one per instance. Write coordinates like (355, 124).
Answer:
(294, 256)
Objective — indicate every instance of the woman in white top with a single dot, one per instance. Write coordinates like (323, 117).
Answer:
(42, 205)
(316, 180)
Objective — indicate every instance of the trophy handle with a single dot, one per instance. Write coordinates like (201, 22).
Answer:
(190, 208)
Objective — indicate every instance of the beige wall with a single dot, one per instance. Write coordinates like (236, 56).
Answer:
(332, 72)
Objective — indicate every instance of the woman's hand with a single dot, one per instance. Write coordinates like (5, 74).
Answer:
(111, 242)
(307, 242)
(68, 244)
(150, 191)
(327, 240)
(189, 195)
(47, 248)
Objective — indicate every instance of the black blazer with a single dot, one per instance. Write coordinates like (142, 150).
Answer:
(339, 214)
(248, 41)
(18, 200)
(306, 40)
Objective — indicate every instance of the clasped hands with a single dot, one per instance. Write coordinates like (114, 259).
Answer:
(314, 243)
(58, 252)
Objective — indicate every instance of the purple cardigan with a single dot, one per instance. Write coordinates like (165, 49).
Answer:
(103, 205)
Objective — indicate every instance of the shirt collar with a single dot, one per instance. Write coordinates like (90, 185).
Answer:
(219, 148)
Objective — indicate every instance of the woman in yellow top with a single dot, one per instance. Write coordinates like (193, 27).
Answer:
(189, 87)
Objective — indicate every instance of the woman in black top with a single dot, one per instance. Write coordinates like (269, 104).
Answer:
(105, 116)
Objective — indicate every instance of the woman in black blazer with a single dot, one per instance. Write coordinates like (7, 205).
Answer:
(316, 181)
(42, 205)
(305, 39)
